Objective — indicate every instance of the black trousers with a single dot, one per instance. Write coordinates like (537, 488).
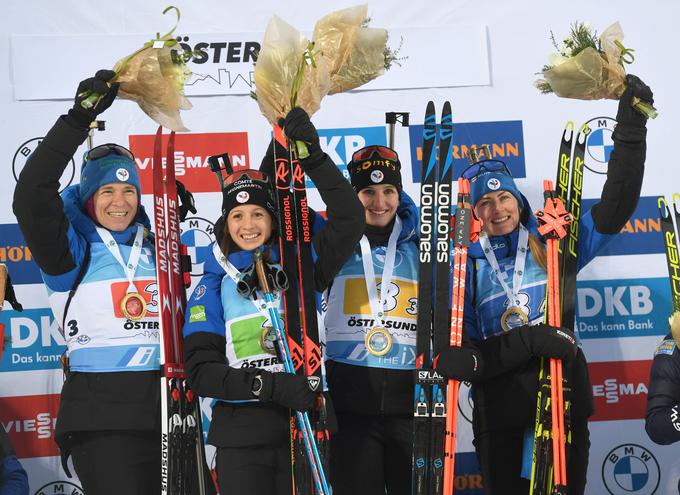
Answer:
(115, 462)
(255, 471)
(500, 458)
(371, 455)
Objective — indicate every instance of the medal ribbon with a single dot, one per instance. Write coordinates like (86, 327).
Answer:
(378, 305)
(520, 261)
(131, 266)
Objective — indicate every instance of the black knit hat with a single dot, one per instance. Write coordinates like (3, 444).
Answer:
(248, 187)
(374, 165)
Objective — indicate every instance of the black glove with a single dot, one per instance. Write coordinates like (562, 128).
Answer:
(82, 117)
(298, 127)
(550, 342)
(460, 363)
(186, 201)
(626, 114)
(288, 390)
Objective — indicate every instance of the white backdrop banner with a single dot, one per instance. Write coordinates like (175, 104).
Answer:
(481, 56)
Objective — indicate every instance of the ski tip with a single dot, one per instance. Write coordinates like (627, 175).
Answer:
(446, 108)
(568, 131)
(583, 132)
(430, 107)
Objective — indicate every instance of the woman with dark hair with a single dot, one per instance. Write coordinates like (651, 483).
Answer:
(505, 294)
(228, 339)
(371, 334)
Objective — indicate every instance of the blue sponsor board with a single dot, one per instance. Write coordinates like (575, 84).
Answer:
(16, 255)
(505, 139)
(623, 308)
(340, 144)
(467, 479)
(641, 234)
(36, 342)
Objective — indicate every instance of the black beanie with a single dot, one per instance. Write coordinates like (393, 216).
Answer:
(374, 170)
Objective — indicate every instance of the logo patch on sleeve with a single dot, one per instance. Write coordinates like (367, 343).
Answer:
(196, 314)
(665, 347)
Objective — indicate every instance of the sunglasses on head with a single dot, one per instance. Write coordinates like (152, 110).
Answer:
(483, 167)
(249, 173)
(384, 152)
(107, 149)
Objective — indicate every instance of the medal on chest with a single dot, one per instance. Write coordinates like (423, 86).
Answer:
(133, 305)
(514, 316)
(379, 340)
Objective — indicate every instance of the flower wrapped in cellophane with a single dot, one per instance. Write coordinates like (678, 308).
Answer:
(154, 77)
(590, 68)
(356, 53)
(282, 78)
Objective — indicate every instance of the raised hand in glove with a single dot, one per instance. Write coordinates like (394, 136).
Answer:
(460, 363)
(546, 341)
(80, 116)
(635, 90)
(288, 390)
(298, 127)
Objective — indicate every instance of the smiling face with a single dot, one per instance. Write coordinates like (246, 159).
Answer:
(380, 203)
(115, 205)
(499, 210)
(249, 226)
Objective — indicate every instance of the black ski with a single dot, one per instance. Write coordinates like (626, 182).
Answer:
(672, 244)
(288, 229)
(441, 311)
(423, 377)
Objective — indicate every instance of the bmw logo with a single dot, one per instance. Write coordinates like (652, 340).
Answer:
(599, 144)
(197, 235)
(630, 469)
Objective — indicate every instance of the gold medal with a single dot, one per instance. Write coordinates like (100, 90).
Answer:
(268, 340)
(379, 341)
(513, 317)
(133, 306)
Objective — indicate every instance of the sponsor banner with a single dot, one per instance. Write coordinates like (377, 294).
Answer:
(223, 63)
(15, 254)
(620, 389)
(30, 421)
(505, 139)
(35, 340)
(191, 157)
(622, 308)
(641, 234)
(340, 144)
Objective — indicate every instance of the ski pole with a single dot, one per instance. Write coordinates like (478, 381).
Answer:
(302, 417)
(552, 222)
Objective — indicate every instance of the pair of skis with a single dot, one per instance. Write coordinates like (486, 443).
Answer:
(672, 244)
(559, 221)
(183, 455)
(310, 445)
(438, 326)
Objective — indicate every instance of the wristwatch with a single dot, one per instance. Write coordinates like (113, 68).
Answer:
(256, 386)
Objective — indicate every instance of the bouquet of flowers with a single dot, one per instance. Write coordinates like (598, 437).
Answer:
(154, 77)
(590, 68)
(292, 71)
(356, 53)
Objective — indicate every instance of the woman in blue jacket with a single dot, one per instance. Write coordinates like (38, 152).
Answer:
(228, 344)
(505, 293)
